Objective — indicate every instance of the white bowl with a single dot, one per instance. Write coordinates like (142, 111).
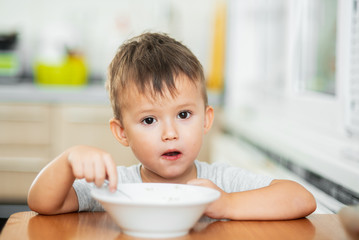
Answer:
(157, 210)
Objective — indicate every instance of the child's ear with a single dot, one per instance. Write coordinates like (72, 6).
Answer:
(208, 118)
(118, 131)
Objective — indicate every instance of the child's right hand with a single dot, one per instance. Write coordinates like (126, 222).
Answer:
(93, 164)
(52, 191)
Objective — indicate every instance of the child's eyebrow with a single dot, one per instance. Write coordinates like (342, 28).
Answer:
(150, 109)
(186, 105)
(145, 111)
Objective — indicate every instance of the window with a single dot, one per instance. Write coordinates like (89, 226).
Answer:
(312, 116)
(315, 45)
(352, 103)
(324, 62)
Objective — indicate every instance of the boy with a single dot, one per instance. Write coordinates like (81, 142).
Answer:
(158, 95)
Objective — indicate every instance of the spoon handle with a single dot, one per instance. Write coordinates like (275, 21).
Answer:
(106, 184)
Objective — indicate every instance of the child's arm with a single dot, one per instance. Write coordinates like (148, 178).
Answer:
(281, 200)
(52, 191)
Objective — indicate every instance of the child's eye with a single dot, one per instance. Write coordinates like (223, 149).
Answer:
(149, 120)
(184, 115)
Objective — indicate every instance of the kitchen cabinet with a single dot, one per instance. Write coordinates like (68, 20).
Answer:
(88, 125)
(33, 134)
(24, 147)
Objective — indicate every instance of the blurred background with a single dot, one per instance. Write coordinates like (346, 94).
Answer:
(46, 31)
(281, 74)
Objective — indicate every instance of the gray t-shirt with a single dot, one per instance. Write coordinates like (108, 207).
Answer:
(228, 178)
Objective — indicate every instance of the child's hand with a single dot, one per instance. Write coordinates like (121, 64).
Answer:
(93, 164)
(218, 208)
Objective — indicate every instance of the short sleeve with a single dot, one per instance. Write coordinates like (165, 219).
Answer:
(85, 200)
(231, 179)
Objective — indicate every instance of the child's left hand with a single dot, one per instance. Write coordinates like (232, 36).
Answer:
(218, 208)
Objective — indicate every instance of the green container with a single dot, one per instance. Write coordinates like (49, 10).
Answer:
(9, 63)
(9, 59)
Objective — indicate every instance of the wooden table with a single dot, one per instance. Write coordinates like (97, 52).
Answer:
(99, 225)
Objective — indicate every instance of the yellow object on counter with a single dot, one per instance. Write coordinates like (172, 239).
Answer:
(215, 80)
(72, 71)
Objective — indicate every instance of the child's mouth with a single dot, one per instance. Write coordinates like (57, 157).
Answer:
(172, 155)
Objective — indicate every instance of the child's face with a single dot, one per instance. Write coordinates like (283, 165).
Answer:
(166, 133)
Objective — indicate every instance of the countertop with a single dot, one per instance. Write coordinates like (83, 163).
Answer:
(27, 92)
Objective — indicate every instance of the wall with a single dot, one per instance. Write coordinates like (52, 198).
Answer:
(97, 28)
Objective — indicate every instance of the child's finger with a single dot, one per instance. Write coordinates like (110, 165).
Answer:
(111, 172)
(89, 171)
(199, 182)
(100, 173)
(77, 169)
(204, 183)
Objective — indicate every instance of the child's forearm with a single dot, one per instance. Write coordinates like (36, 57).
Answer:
(51, 191)
(281, 200)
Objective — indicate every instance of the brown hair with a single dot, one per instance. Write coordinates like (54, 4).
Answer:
(151, 62)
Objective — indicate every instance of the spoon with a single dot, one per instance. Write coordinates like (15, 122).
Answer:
(107, 183)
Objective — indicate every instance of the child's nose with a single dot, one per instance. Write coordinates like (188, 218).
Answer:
(169, 131)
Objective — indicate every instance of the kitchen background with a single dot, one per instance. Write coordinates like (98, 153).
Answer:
(282, 75)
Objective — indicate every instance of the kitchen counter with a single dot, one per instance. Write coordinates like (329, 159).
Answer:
(27, 92)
